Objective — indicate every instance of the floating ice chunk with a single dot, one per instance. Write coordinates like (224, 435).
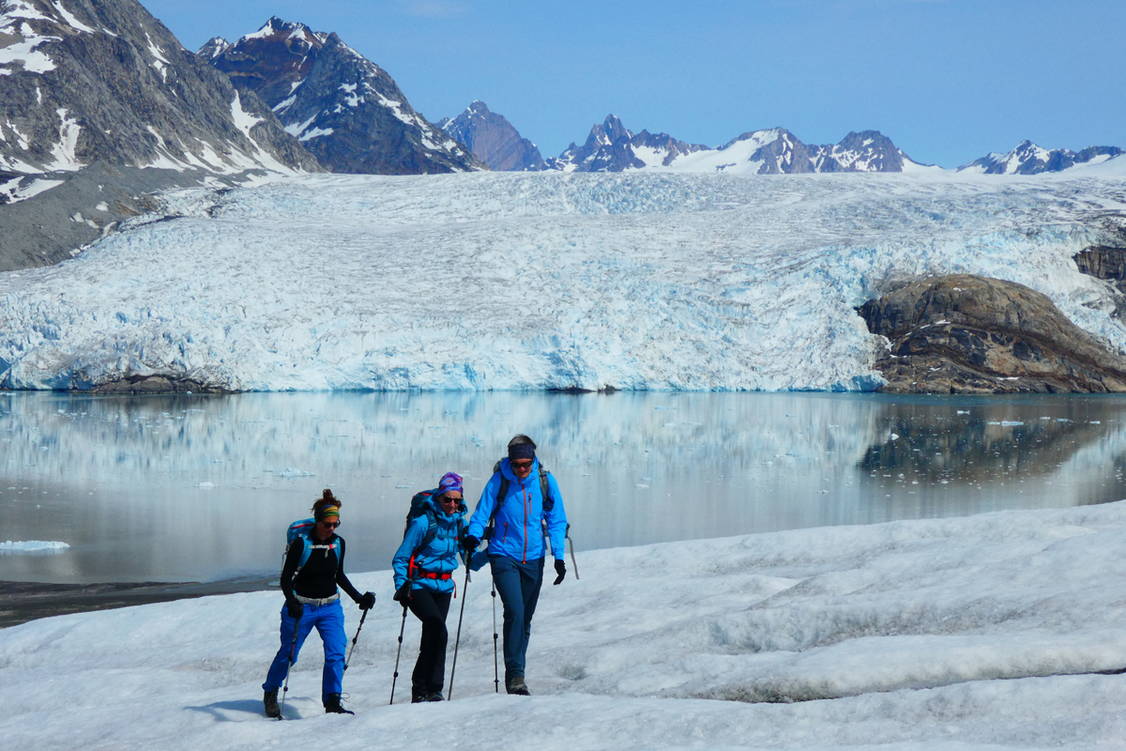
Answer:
(14, 547)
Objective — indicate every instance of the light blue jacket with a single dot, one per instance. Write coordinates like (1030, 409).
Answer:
(520, 517)
(437, 556)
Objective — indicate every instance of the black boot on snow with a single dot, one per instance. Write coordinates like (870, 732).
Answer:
(516, 685)
(418, 696)
(436, 696)
(270, 703)
(333, 705)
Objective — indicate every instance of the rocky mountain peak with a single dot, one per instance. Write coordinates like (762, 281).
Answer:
(213, 47)
(1026, 158)
(344, 108)
(493, 139)
(91, 80)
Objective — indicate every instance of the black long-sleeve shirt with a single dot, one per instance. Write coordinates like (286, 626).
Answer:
(319, 576)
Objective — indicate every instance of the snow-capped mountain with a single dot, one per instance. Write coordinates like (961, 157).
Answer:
(1029, 159)
(493, 139)
(344, 109)
(611, 147)
(84, 81)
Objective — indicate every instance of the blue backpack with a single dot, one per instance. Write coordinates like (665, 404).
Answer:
(419, 506)
(299, 530)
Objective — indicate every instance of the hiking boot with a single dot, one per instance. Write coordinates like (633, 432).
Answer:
(516, 685)
(270, 703)
(436, 696)
(333, 705)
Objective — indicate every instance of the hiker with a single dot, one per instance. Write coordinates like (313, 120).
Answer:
(519, 505)
(423, 567)
(314, 566)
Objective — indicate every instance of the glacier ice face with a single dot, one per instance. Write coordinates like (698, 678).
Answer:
(538, 281)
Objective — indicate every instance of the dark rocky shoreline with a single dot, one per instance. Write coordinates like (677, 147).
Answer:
(25, 601)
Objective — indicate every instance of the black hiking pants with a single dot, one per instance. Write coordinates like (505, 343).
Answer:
(429, 671)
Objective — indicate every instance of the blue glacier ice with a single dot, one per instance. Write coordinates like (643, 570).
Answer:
(539, 281)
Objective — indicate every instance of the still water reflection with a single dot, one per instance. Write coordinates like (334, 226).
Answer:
(200, 488)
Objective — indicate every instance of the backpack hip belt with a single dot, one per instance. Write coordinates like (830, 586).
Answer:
(420, 574)
(314, 600)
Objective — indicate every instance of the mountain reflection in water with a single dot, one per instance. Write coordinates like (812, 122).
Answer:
(200, 488)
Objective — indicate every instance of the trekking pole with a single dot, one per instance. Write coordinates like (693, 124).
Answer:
(574, 563)
(288, 665)
(496, 670)
(397, 655)
(457, 639)
(354, 640)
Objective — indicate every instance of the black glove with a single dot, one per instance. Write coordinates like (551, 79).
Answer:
(366, 601)
(560, 569)
(293, 607)
(403, 594)
(470, 544)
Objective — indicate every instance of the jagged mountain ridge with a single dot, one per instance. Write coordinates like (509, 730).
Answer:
(1029, 159)
(611, 147)
(344, 108)
(84, 81)
(493, 139)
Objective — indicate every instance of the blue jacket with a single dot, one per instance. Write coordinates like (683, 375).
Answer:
(519, 518)
(437, 556)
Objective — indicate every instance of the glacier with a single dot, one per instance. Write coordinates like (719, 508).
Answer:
(494, 281)
(996, 631)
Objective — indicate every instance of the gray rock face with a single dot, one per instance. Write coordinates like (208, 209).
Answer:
(971, 335)
(344, 109)
(493, 140)
(611, 147)
(1029, 159)
(105, 81)
(1108, 263)
(866, 151)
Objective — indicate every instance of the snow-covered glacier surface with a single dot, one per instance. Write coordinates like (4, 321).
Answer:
(999, 631)
(534, 281)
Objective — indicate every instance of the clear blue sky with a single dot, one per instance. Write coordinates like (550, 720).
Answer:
(947, 80)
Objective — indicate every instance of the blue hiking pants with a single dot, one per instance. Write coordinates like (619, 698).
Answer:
(329, 622)
(519, 587)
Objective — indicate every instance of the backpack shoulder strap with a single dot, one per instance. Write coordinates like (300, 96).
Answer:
(545, 489)
(431, 530)
(502, 491)
(306, 551)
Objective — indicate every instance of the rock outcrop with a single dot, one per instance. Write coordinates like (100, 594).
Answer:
(974, 335)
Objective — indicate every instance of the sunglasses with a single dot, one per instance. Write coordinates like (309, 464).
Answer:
(447, 499)
(522, 464)
(330, 525)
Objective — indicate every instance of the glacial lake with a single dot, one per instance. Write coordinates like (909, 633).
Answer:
(201, 488)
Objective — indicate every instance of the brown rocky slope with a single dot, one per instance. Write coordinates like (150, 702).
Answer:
(968, 334)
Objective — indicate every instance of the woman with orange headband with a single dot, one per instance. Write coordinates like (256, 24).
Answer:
(314, 566)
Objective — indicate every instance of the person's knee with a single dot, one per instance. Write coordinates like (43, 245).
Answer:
(434, 623)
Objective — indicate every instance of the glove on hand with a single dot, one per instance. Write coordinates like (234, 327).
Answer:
(470, 544)
(294, 608)
(367, 601)
(560, 569)
(403, 594)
